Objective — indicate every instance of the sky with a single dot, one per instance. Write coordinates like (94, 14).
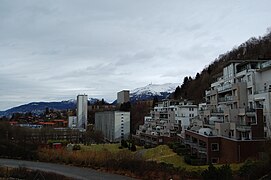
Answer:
(52, 50)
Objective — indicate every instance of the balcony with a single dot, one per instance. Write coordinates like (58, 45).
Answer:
(223, 88)
(251, 112)
(266, 64)
(217, 112)
(243, 128)
(225, 99)
(201, 149)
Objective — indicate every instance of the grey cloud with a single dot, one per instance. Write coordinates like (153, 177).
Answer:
(54, 49)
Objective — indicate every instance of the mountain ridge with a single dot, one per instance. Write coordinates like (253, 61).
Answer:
(148, 92)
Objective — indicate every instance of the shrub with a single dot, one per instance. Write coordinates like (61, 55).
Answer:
(133, 147)
(20, 173)
(124, 143)
(181, 151)
(76, 147)
(187, 159)
(224, 172)
(254, 169)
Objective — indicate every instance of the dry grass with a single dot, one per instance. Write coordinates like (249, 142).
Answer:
(164, 154)
(104, 155)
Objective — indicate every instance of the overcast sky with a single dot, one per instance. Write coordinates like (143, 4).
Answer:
(52, 50)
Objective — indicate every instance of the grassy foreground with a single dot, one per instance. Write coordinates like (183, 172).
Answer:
(160, 153)
(164, 154)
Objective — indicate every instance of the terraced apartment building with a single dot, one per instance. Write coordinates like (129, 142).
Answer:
(237, 114)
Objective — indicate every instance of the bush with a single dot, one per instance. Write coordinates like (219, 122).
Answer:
(124, 144)
(254, 169)
(187, 159)
(170, 145)
(223, 173)
(20, 173)
(133, 147)
(181, 151)
(76, 147)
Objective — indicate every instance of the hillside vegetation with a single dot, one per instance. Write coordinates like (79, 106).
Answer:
(193, 88)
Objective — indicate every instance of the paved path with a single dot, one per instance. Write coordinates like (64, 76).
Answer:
(69, 171)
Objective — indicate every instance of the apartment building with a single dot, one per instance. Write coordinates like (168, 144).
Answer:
(234, 97)
(82, 111)
(115, 125)
(236, 117)
(123, 96)
(165, 121)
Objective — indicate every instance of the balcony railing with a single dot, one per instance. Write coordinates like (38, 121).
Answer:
(249, 110)
(224, 88)
(266, 64)
(225, 99)
(243, 128)
(217, 111)
(200, 148)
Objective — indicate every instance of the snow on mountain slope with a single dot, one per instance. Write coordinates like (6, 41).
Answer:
(155, 89)
(148, 92)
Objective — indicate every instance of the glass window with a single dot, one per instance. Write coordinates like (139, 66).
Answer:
(215, 147)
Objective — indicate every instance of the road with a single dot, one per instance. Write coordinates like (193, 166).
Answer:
(69, 171)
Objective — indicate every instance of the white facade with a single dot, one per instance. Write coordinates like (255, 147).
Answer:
(184, 113)
(115, 125)
(233, 99)
(168, 118)
(82, 111)
(72, 122)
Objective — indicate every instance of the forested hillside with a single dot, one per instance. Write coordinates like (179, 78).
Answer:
(193, 88)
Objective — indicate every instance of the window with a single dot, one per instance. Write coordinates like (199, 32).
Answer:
(215, 147)
(249, 91)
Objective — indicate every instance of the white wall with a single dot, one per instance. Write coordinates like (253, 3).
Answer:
(82, 110)
(122, 125)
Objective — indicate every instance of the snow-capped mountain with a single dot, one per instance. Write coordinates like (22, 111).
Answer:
(39, 107)
(161, 91)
